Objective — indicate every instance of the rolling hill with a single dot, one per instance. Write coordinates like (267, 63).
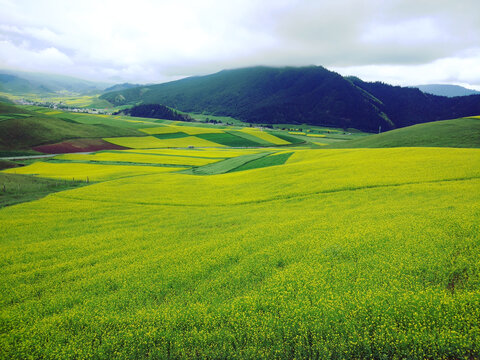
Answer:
(460, 133)
(311, 95)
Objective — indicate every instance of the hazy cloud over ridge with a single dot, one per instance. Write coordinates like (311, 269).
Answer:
(398, 41)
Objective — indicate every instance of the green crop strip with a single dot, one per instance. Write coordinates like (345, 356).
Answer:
(265, 161)
(225, 166)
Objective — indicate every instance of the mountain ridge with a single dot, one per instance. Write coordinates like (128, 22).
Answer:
(22, 82)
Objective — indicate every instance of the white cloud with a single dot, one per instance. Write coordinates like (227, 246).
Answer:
(408, 32)
(148, 41)
(42, 60)
(453, 70)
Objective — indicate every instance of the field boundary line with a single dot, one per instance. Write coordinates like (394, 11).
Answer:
(260, 201)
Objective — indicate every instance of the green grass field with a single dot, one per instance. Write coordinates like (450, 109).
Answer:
(284, 252)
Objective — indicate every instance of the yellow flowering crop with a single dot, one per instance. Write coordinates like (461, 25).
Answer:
(93, 172)
(296, 133)
(336, 254)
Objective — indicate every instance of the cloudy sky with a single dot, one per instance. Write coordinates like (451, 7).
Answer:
(401, 42)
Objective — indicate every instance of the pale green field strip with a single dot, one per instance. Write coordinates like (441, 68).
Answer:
(225, 166)
(382, 272)
(137, 158)
(305, 172)
(92, 119)
(202, 153)
(190, 130)
(80, 171)
(148, 142)
(265, 136)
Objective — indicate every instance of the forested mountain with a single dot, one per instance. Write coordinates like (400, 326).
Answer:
(311, 95)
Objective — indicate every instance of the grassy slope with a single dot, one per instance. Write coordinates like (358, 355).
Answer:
(463, 133)
(366, 253)
(37, 130)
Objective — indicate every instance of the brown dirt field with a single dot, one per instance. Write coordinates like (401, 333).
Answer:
(77, 145)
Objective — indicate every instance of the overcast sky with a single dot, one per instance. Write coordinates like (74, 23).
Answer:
(401, 42)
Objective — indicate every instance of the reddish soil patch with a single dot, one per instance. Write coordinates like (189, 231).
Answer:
(77, 145)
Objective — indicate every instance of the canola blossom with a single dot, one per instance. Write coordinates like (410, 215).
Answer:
(345, 254)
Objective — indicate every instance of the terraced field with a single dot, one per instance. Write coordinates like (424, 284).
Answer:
(288, 253)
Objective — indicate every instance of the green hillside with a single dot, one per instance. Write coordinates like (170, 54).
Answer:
(22, 129)
(462, 133)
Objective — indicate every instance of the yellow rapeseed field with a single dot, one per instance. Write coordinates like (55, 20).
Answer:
(93, 172)
(336, 254)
